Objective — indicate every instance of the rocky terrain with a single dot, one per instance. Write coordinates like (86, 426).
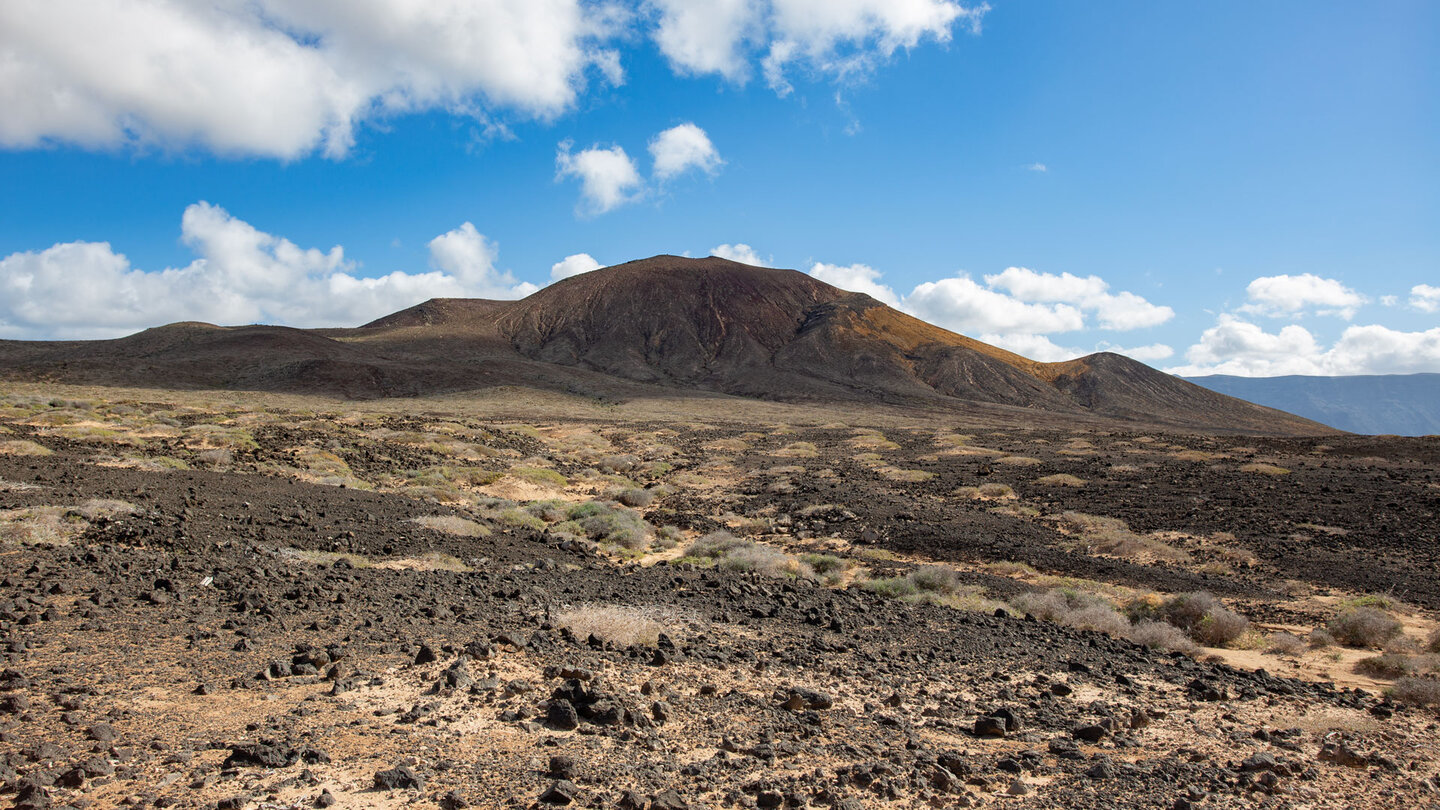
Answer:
(520, 599)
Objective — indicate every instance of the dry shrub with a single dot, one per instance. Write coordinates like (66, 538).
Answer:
(1320, 638)
(452, 524)
(1432, 644)
(1019, 461)
(1285, 644)
(217, 457)
(636, 497)
(22, 447)
(611, 524)
(1162, 636)
(1364, 627)
(1061, 480)
(1422, 691)
(618, 624)
(1202, 617)
(727, 551)
(1073, 608)
(935, 579)
(829, 568)
(1388, 665)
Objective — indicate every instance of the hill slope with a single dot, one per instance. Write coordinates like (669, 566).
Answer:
(1399, 404)
(651, 327)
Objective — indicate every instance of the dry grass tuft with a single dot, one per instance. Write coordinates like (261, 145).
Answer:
(1264, 469)
(621, 625)
(23, 447)
(1061, 480)
(452, 524)
(1019, 461)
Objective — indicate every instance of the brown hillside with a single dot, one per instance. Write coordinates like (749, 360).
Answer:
(648, 327)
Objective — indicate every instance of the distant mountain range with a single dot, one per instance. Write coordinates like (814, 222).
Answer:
(658, 327)
(1400, 404)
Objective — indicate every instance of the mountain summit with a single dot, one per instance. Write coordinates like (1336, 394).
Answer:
(646, 327)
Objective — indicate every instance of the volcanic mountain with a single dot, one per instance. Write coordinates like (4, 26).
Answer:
(652, 327)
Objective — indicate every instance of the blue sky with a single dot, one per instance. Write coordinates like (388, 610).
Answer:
(1240, 187)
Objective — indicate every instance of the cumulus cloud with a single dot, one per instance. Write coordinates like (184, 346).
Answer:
(1016, 309)
(283, 78)
(1118, 311)
(741, 252)
(468, 257)
(681, 148)
(1038, 167)
(1289, 296)
(861, 278)
(573, 265)
(1235, 346)
(1425, 298)
(608, 177)
(1145, 354)
(963, 305)
(241, 275)
(709, 37)
(836, 39)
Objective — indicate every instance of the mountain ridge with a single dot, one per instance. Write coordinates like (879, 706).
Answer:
(654, 325)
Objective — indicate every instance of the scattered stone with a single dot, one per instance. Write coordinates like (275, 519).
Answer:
(399, 778)
(563, 792)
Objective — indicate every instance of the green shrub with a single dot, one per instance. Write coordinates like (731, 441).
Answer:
(519, 518)
(892, 587)
(1364, 627)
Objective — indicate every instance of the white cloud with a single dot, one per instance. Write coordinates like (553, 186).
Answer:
(1015, 309)
(1035, 347)
(743, 253)
(859, 278)
(1425, 298)
(283, 78)
(962, 305)
(1288, 296)
(1038, 167)
(1234, 346)
(835, 38)
(709, 37)
(241, 275)
(1145, 354)
(573, 265)
(849, 37)
(681, 148)
(608, 177)
(1121, 312)
(467, 256)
